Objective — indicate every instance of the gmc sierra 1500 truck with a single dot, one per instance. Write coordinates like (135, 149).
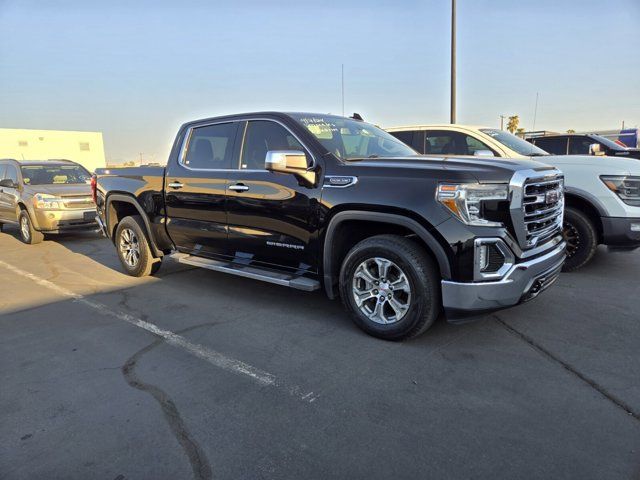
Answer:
(312, 200)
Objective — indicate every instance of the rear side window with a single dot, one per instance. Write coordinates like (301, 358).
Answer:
(211, 147)
(404, 137)
(262, 136)
(554, 145)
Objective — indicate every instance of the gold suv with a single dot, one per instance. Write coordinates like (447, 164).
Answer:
(45, 196)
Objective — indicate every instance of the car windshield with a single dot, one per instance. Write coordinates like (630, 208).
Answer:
(609, 143)
(54, 174)
(514, 143)
(353, 139)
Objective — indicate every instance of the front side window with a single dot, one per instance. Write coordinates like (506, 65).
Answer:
(554, 145)
(54, 174)
(262, 136)
(445, 143)
(579, 145)
(517, 144)
(11, 173)
(211, 147)
(473, 145)
(351, 139)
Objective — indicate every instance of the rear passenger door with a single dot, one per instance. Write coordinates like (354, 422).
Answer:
(195, 189)
(273, 217)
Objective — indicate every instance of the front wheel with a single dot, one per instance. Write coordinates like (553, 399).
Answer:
(581, 237)
(28, 234)
(133, 248)
(391, 287)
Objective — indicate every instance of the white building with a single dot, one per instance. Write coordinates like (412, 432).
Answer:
(86, 148)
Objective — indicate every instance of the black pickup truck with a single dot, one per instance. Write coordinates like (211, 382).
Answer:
(316, 201)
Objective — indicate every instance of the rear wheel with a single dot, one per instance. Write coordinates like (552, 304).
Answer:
(133, 248)
(581, 237)
(28, 234)
(391, 287)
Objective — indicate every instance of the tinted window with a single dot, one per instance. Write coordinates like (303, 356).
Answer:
(555, 145)
(473, 145)
(211, 147)
(54, 174)
(404, 137)
(12, 173)
(445, 143)
(418, 141)
(580, 145)
(262, 136)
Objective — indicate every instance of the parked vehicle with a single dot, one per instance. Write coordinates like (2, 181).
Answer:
(602, 194)
(583, 144)
(45, 196)
(305, 200)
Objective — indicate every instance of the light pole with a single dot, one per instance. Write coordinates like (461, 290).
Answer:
(453, 61)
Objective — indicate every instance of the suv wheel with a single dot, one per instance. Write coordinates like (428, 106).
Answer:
(133, 248)
(391, 287)
(27, 233)
(581, 237)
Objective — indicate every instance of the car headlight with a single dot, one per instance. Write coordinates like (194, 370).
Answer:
(44, 201)
(626, 187)
(465, 201)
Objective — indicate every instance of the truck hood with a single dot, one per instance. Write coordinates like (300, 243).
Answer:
(483, 169)
(604, 164)
(61, 189)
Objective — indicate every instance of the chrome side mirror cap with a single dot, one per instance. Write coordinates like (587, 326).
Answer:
(290, 161)
(595, 149)
(483, 153)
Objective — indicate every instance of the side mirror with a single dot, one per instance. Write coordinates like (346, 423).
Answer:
(8, 183)
(595, 149)
(290, 161)
(483, 153)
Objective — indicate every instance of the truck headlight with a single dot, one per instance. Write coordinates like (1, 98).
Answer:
(626, 187)
(44, 201)
(465, 200)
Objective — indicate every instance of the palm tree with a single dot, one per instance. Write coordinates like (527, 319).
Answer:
(513, 123)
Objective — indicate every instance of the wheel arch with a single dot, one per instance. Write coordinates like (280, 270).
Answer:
(115, 212)
(401, 224)
(588, 205)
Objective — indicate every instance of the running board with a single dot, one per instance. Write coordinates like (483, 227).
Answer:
(279, 278)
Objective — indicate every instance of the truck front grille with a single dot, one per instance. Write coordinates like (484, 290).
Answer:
(543, 206)
(537, 207)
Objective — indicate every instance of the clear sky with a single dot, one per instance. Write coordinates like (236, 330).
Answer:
(136, 70)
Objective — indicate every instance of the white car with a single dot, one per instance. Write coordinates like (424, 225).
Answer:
(602, 193)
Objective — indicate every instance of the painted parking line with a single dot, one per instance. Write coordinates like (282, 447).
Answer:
(213, 357)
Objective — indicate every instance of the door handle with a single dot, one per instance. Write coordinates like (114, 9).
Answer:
(238, 187)
(175, 185)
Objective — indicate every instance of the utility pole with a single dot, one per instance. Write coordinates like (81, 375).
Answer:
(343, 89)
(453, 61)
(502, 122)
(535, 114)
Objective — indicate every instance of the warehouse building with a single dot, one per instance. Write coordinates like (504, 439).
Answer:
(86, 148)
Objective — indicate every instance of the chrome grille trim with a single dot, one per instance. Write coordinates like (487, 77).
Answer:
(536, 215)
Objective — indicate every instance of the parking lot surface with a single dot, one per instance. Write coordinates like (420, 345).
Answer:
(197, 374)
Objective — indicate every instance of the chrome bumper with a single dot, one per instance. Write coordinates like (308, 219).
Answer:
(523, 282)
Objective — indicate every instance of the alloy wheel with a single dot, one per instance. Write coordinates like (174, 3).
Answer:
(572, 237)
(129, 247)
(24, 228)
(381, 290)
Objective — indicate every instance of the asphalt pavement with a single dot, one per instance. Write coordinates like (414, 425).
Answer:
(198, 374)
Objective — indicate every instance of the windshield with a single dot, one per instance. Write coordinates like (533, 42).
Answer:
(609, 143)
(514, 143)
(350, 139)
(54, 174)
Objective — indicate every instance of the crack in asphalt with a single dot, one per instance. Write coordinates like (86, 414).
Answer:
(570, 368)
(197, 457)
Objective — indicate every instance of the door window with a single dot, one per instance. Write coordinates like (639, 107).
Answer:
(262, 136)
(445, 143)
(12, 173)
(211, 147)
(554, 145)
(580, 145)
(473, 145)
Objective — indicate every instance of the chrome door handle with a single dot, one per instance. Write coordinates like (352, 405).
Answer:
(238, 187)
(175, 185)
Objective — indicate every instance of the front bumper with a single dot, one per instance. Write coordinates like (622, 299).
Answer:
(56, 221)
(621, 231)
(523, 282)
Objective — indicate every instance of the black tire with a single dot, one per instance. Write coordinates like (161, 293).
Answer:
(424, 302)
(582, 239)
(28, 234)
(129, 234)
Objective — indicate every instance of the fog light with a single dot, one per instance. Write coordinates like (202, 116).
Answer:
(635, 227)
(493, 259)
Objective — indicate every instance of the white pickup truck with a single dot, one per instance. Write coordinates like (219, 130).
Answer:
(602, 194)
